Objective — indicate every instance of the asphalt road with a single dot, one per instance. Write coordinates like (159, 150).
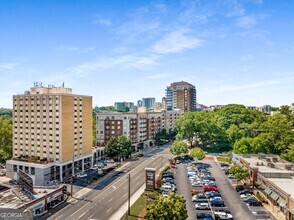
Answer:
(232, 199)
(184, 188)
(112, 192)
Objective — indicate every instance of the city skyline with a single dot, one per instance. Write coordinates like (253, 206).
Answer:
(232, 51)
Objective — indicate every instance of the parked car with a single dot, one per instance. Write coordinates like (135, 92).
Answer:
(252, 202)
(231, 176)
(245, 191)
(81, 175)
(165, 194)
(110, 161)
(202, 206)
(210, 188)
(223, 215)
(199, 198)
(216, 198)
(196, 184)
(239, 188)
(202, 216)
(212, 194)
(217, 203)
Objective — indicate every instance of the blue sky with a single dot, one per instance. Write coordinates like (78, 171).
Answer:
(232, 51)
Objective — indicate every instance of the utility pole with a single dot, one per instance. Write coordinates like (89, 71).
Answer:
(129, 197)
(72, 175)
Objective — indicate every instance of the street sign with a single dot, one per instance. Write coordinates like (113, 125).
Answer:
(150, 178)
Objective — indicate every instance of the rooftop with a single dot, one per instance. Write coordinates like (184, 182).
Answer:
(284, 183)
(14, 198)
(268, 163)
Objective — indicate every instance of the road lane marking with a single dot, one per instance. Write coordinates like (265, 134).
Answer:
(82, 215)
(125, 195)
(110, 200)
(144, 163)
(108, 210)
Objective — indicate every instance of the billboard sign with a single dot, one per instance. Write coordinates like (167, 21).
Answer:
(150, 178)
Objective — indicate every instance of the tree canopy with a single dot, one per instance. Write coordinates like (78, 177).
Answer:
(197, 153)
(119, 147)
(238, 172)
(238, 128)
(178, 148)
(171, 208)
(5, 138)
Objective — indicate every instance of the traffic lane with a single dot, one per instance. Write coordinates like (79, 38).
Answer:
(184, 188)
(232, 200)
(119, 196)
(68, 210)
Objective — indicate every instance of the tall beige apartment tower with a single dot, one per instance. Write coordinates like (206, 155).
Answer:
(181, 95)
(51, 128)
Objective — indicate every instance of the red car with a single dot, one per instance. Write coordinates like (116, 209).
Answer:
(210, 188)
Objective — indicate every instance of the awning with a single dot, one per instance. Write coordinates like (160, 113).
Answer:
(274, 195)
(268, 191)
(281, 202)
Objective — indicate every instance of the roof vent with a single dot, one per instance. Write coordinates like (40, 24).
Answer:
(261, 156)
(271, 165)
(275, 159)
(289, 166)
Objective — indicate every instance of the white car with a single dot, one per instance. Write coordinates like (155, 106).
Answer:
(196, 183)
(81, 175)
(223, 215)
(202, 206)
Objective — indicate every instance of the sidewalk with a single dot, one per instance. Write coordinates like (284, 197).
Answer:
(274, 210)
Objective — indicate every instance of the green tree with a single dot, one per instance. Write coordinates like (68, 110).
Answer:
(5, 138)
(119, 147)
(239, 173)
(171, 208)
(289, 154)
(125, 146)
(243, 146)
(178, 148)
(197, 153)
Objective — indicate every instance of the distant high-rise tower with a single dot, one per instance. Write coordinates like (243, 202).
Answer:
(148, 103)
(181, 95)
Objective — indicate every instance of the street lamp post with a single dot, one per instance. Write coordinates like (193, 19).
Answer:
(72, 175)
(129, 196)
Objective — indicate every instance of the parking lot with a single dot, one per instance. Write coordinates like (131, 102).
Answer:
(229, 206)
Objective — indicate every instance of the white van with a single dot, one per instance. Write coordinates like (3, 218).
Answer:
(166, 188)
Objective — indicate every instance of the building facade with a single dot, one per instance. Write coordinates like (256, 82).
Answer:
(140, 127)
(181, 95)
(51, 126)
(273, 176)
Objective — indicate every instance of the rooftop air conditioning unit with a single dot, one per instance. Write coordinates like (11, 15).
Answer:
(289, 166)
(271, 165)
(268, 159)
(257, 164)
(261, 156)
(275, 159)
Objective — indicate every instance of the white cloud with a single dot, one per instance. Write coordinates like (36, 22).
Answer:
(176, 42)
(123, 62)
(8, 65)
(76, 49)
(246, 21)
